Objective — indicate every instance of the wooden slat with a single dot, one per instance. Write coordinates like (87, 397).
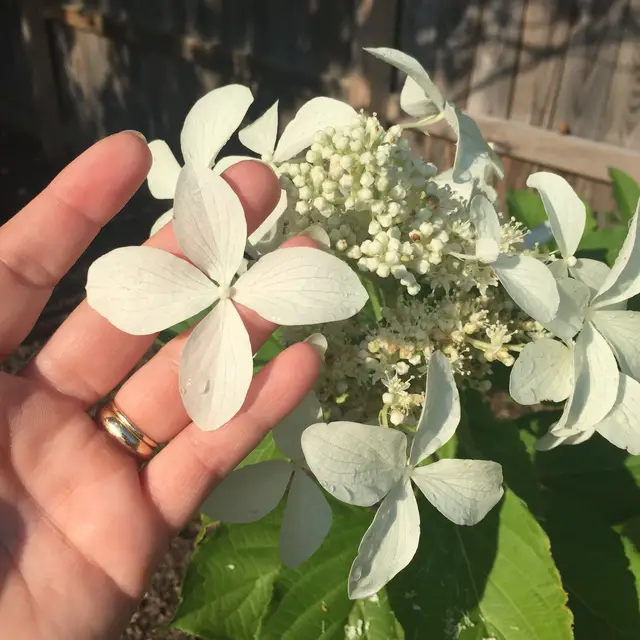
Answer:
(622, 124)
(370, 82)
(587, 158)
(496, 58)
(545, 38)
(589, 67)
(36, 42)
(443, 36)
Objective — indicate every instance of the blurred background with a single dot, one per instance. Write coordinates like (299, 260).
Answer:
(553, 84)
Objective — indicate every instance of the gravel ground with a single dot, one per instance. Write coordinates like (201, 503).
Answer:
(23, 173)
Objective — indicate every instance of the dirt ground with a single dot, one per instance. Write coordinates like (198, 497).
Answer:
(23, 173)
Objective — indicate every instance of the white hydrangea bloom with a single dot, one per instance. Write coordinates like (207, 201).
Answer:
(527, 280)
(585, 372)
(251, 492)
(207, 128)
(363, 465)
(142, 290)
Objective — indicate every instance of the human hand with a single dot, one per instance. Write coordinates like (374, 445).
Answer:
(81, 527)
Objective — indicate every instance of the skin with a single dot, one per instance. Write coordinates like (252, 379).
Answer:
(81, 528)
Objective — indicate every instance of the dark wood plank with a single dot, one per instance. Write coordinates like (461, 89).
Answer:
(443, 36)
(496, 58)
(589, 68)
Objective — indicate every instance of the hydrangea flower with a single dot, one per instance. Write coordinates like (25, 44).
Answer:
(142, 290)
(251, 492)
(363, 465)
(527, 280)
(260, 137)
(421, 99)
(207, 128)
(585, 372)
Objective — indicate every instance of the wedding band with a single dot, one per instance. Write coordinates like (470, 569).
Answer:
(125, 432)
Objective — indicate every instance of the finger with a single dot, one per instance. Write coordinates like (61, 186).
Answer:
(87, 357)
(179, 478)
(41, 242)
(151, 397)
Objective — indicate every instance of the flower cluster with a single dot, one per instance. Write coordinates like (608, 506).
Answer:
(445, 287)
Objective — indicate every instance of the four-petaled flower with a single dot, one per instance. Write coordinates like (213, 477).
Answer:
(207, 128)
(592, 305)
(142, 290)
(251, 492)
(528, 281)
(363, 465)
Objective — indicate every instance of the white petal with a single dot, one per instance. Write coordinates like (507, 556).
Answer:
(306, 521)
(463, 491)
(559, 269)
(389, 544)
(163, 175)
(250, 493)
(228, 161)
(473, 153)
(441, 410)
(211, 122)
(287, 432)
(485, 220)
(531, 285)
(318, 235)
(270, 234)
(209, 223)
(433, 100)
(622, 331)
(142, 290)
(315, 115)
(550, 441)
(566, 212)
(301, 285)
(356, 463)
(162, 221)
(414, 101)
(260, 136)
(593, 273)
(596, 383)
(574, 299)
(216, 368)
(543, 371)
(623, 281)
(621, 426)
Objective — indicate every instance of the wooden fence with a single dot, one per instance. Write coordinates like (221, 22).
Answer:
(552, 83)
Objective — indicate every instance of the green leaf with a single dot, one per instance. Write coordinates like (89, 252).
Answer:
(626, 192)
(595, 569)
(236, 588)
(603, 244)
(496, 578)
(526, 207)
(266, 450)
(311, 601)
(373, 619)
(376, 302)
(228, 586)
(596, 471)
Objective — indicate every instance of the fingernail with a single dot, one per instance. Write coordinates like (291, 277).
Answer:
(136, 133)
(318, 235)
(319, 343)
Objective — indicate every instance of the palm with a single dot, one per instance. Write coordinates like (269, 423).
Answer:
(80, 525)
(92, 534)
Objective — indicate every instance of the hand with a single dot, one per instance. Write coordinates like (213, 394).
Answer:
(81, 528)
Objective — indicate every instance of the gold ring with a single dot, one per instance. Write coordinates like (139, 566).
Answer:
(125, 432)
